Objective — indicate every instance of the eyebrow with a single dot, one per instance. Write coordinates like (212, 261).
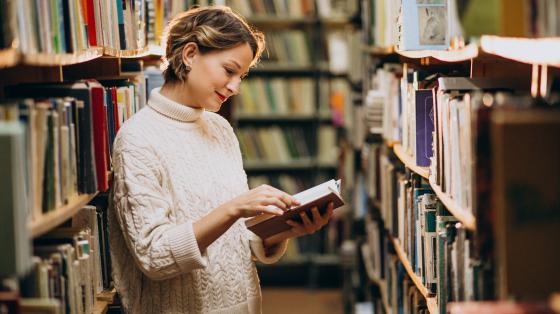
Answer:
(235, 63)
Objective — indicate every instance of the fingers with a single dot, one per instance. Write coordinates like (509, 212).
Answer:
(328, 214)
(307, 224)
(297, 228)
(270, 209)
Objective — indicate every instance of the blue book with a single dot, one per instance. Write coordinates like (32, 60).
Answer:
(424, 126)
(120, 18)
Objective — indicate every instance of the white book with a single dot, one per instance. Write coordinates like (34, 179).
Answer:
(424, 25)
(268, 225)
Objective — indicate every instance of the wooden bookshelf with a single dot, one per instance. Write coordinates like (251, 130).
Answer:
(280, 117)
(432, 305)
(54, 218)
(378, 51)
(103, 300)
(431, 300)
(299, 164)
(335, 21)
(409, 162)
(8, 57)
(466, 218)
(406, 263)
(47, 59)
(100, 307)
(132, 53)
(470, 51)
(542, 51)
(280, 21)
(276, 68)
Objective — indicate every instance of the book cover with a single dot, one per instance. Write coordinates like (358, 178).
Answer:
(424, 127)
(267, 225)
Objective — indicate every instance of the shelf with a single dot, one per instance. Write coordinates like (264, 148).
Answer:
(301, 164)
(8, 57)
(406, 263)
(274, 20)
(100, 307)
(133, 53)
(542, 51)
(379, 51)
(409, 162)
(283, 68)
(466, 218)
(103, 300)
(280, 117)
(55, 217)
(432, 305)
(46, 59)
(431, 300)
(466, 53)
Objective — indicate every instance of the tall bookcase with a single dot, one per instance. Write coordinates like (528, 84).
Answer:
(47, 54)
(285, 122)
(479, 128)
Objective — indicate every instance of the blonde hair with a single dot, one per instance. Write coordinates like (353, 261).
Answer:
(210, 28)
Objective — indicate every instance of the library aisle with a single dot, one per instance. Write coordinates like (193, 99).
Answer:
(440, 118)
(301, 301)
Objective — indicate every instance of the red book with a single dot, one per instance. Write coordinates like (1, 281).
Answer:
(101, 146)
(90, 12)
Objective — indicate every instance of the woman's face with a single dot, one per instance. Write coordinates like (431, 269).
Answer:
(215, 76)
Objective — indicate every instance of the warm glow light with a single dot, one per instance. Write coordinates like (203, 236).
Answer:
(526, 50)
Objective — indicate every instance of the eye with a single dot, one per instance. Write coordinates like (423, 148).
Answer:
(244, 76)
(229, 71)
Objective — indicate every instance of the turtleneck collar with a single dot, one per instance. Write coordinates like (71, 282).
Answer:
(172, 109)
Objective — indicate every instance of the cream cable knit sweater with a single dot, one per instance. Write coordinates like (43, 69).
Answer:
(172, 165)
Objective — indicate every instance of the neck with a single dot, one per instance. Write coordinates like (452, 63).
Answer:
(178, 93)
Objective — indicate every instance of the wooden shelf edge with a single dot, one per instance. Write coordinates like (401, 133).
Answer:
(133, 53)
(432, 305)
(542, 51)
(293, 164)
(406, 263)
(466, 218)
(107, 296)
(56, 217)
(409, 162)
(379, 51)
(470, 51)
(8, 57)
(100, 307)
(46, 59)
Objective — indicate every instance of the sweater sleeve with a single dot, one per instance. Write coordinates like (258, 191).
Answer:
(161, 247)
(258, 250)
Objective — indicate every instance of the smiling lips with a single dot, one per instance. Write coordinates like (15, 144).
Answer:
(221, 97)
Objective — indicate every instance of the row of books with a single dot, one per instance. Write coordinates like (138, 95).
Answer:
(67, 26)
(430, 25)
(397, 293)
(283, 145)
(262, 96)
(502, 126)
(48, 26)
(69, 268)
(69, 130)
(289, 47)
(294, 9)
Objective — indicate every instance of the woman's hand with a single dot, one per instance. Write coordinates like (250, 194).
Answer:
(311, 226)
(260, 200)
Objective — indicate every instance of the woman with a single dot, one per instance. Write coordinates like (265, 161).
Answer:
(180, 195)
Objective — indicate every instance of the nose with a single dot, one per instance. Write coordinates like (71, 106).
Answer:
(233, 86)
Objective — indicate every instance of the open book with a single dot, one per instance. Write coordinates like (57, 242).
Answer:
(267, 225)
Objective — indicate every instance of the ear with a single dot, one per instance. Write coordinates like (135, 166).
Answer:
(190, 50)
